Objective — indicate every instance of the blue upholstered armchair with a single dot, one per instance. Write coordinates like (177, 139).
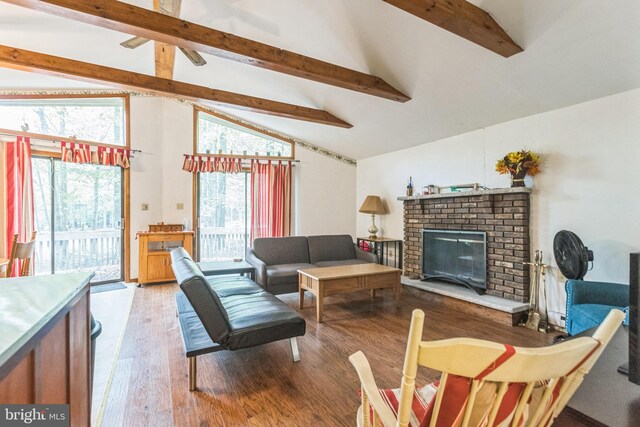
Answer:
(588, 303)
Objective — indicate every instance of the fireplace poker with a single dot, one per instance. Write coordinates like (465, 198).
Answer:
(533, 316)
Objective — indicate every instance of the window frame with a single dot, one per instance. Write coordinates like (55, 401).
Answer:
(125, 104)
(248, 126)
(126, 184)
(195, 220)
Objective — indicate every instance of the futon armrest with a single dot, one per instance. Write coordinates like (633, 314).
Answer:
(588, 292)
(366, 256)
(260, 266)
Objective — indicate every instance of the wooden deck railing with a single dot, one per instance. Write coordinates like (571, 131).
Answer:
(101, 250)
(218, 244)
(80, 250)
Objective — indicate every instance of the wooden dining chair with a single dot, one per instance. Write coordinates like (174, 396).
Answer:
(21, 251)
(482, 383)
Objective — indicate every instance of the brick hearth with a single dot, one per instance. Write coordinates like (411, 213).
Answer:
(502, 213)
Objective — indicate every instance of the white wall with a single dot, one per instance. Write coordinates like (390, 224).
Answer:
(588, 184)
(324, 196)
(146, 169)
(177, 140)
(324, 189)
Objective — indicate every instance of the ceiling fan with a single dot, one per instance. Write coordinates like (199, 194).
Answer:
(172, 8)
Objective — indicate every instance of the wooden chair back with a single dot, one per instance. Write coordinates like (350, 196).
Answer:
(21, 251)
(548, 376)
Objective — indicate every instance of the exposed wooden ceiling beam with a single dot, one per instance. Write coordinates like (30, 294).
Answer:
(165, 54)
(464, 19)
(141, 22)
(25, 60)
(165, 58)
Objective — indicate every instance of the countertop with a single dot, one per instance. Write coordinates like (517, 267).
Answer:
(28, 303)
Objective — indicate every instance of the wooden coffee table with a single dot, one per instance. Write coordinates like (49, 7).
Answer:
(326, 281)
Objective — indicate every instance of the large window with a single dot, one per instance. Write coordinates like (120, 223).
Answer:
(224, 215)
(100, 119)
(223, 199)
(78, 208)
(217, 136)
(78, 217)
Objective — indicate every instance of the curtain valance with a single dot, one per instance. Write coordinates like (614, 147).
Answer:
(106, 156)
(211, 164)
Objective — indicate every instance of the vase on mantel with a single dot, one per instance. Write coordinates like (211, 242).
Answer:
(517, 179)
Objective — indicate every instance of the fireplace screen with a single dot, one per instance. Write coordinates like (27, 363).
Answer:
(455, 256)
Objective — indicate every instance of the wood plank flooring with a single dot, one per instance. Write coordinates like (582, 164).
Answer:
(261, 386)
(111, 309)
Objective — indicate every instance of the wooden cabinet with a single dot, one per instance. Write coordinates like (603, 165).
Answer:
(154, 258)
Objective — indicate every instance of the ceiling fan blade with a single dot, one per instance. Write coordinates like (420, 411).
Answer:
(193, 56)
(134, 42)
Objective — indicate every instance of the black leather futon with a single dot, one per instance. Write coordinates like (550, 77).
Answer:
(228, 313)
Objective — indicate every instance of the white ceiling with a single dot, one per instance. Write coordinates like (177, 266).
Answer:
(574, 51)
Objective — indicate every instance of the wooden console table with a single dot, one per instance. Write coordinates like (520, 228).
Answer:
(154, 258)
(45, 349)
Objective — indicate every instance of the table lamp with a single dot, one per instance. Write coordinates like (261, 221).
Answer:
(372, 205)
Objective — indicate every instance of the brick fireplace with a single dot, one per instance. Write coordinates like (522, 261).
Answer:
(502, 213)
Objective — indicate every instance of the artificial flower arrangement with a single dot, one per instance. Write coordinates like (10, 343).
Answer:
(519, 164)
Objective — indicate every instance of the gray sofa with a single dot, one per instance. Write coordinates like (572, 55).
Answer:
(278, 259)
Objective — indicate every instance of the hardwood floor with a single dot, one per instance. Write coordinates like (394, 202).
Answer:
(111, 309)
(261, 386)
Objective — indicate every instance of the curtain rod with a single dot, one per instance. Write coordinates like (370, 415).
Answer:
(53, 138)
(246, 157)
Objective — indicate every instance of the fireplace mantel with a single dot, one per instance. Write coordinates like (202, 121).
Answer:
(468, 193)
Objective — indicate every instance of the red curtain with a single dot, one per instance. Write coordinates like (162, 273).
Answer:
(19, 194)
(270, 199)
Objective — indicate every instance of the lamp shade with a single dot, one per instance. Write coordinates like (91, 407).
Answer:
(372, 205)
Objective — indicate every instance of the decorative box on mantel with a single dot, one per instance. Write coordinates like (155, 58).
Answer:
(502, 213)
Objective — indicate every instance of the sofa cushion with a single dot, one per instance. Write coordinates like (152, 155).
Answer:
(233, 285)
(260, 318)
(285, 273)
(281, 250)
(331, 248)
(339, 263)
(202, 297)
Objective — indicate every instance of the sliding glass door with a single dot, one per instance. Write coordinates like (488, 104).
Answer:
(223, 212)
(78, 217)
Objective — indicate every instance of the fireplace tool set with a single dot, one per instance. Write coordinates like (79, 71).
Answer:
(536, 320)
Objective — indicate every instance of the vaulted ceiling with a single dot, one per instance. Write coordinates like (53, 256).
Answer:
(574, 51)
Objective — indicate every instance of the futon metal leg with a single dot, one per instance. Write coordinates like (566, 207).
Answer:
(294, 349)
(193, 372)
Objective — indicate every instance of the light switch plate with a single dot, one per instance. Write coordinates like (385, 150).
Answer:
(144, 207)
(180, 206)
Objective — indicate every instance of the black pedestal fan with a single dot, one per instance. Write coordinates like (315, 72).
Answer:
(571, 255)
